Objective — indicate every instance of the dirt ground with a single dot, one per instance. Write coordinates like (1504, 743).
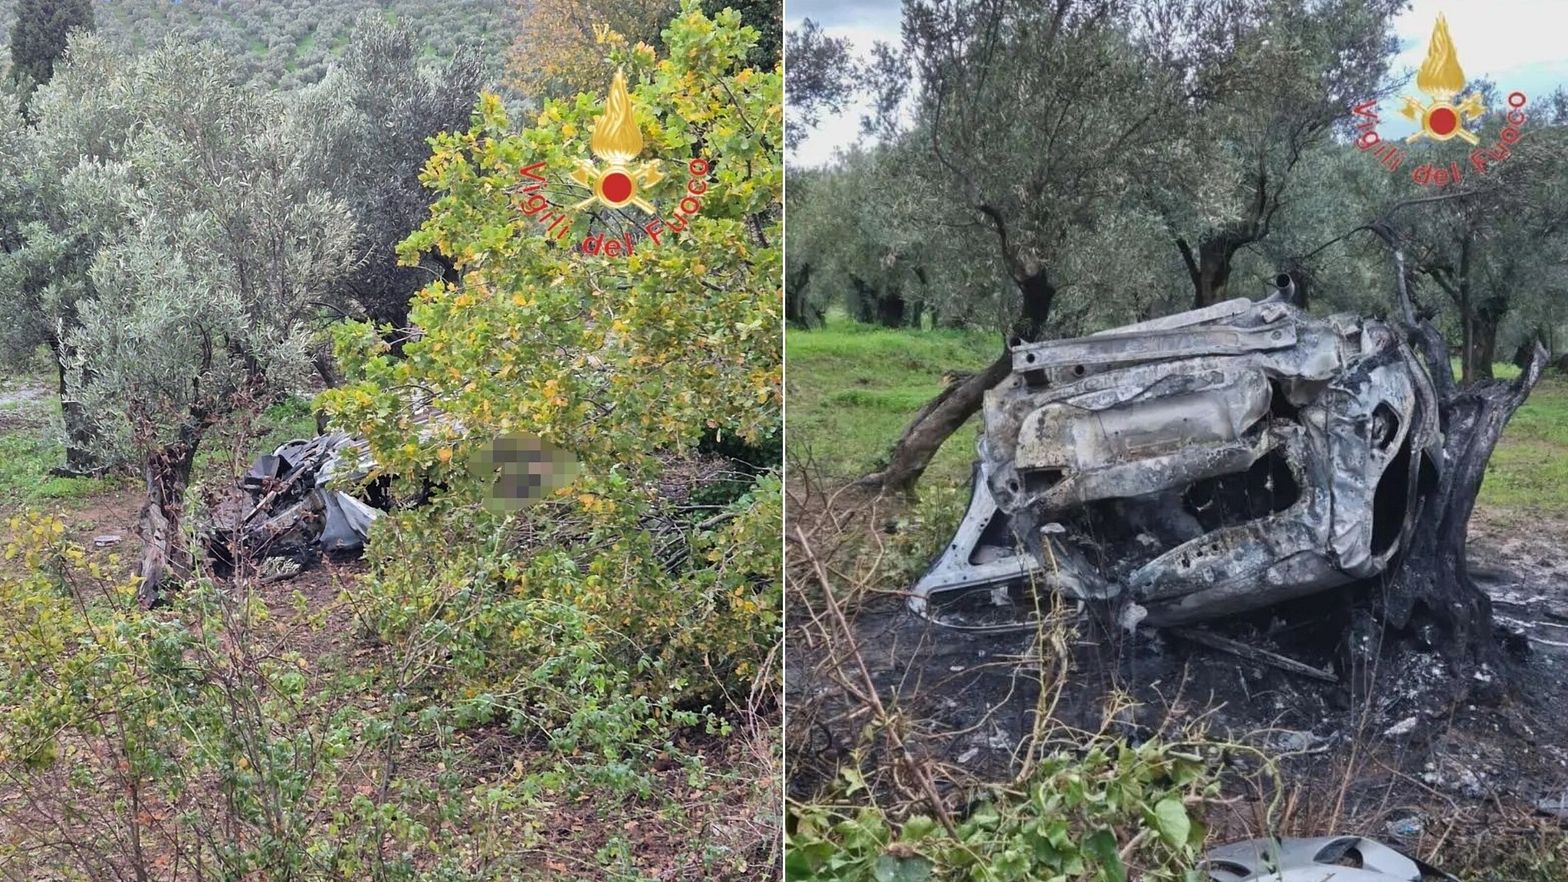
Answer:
(1396, 759)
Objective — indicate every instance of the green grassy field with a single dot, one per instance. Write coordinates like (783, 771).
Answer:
(852, 389)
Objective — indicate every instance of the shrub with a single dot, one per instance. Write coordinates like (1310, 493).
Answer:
(627, 362)
(1107, 813)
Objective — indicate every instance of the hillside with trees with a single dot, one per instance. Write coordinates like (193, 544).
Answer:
(291, 43)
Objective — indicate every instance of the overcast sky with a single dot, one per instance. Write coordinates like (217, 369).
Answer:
(1518, 44)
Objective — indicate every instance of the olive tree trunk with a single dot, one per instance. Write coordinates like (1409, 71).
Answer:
(80, 431)
(164, 554)
(1434, 577)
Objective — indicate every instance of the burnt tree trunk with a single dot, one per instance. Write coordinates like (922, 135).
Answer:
(168, 473)
(1434, 578)
(953, 406)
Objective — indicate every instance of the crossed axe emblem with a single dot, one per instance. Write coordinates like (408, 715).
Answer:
(1441, 120)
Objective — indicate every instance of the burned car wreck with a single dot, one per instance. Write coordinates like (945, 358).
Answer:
(284, 507)
(1195, 466)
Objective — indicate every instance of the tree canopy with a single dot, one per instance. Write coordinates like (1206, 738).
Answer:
(1187, 153)
(38, 37)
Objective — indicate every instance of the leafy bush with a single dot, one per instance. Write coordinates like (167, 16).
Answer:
(1107, 814)
(627, 362)
(201, 746)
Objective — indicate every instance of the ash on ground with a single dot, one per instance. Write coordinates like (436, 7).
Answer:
(1391, 728)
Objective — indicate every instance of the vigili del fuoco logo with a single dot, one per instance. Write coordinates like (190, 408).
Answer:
(1442, 117)
(615, 183)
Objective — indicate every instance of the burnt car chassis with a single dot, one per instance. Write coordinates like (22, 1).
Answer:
(1193, 467)
(283, 506)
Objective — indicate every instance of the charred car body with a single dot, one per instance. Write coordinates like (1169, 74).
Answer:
(1198, 465)
(285, 508)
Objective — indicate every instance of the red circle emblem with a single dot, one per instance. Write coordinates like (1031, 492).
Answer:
(1443, 121)
(616, 187)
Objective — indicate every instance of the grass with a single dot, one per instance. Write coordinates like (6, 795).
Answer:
(25, 461)
(1529, 468)
(853, 388)
(32, 444)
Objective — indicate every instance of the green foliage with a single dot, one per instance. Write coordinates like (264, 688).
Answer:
(626, 362)
(187, 312)
(853, 388)
(822, 77)
(1108, 813)
(180, 725)
(364, 129)
(767, 17)
(293, 43)
(38, 37)
(30, 448)
(561, 44)
(1239, 165)
(508, 673)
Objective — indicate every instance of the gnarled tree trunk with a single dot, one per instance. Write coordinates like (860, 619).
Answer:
(1434, 577)
(797, 311)
(953, 406)
(164, 555)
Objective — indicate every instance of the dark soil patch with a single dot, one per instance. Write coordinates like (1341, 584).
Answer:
(1393, 757)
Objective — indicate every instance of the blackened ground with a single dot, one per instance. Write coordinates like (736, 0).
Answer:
(1394, 757)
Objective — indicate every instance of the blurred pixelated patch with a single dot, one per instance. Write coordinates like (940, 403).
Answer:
(521, 470)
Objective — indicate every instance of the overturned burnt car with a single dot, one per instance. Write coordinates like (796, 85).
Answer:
(284, 508)
(1194, 466)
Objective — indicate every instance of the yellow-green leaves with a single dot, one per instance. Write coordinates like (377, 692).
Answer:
(627, 362)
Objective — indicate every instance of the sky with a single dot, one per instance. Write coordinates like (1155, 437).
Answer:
(1518, 44)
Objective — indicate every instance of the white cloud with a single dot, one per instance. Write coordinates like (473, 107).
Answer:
(842, 129)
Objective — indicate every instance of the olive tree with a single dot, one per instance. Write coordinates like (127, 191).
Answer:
(1037, 118)
(822, 78)
(63, 208)
(364, 131)
(204, 299)
(1503, 244)
(1286, 73)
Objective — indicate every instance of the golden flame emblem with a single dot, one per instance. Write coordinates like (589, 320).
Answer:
(1441, 78)
(617, 141)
